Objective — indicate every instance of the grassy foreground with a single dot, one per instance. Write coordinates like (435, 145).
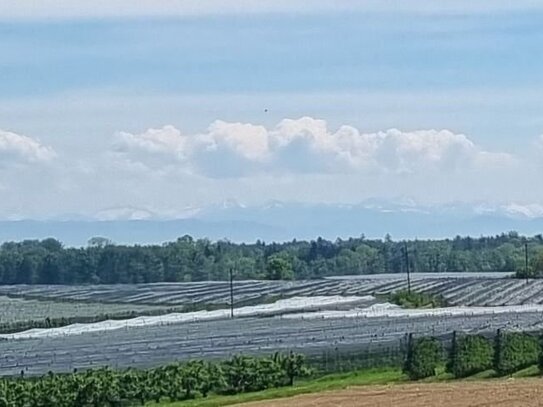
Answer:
(336, 381)
(330, 382)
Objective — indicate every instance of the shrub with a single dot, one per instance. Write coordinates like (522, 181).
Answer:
(424, 355)
(515, 351)
(293, 366)
(413, 299)
(471, 354)
(246, 373)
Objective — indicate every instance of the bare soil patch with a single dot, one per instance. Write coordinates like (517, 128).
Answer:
(489, 393)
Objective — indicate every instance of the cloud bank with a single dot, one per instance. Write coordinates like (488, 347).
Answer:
(166, 170)
(304, 145)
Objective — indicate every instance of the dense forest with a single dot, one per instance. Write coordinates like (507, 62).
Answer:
(188, 259)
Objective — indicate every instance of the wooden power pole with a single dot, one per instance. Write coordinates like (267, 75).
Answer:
(526, 261)
(406, 257)
(231, 293)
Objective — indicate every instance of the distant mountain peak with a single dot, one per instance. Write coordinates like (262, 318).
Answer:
(277, 220)
(529, 211)
(273, 203)
(124, 213)
(231, 203)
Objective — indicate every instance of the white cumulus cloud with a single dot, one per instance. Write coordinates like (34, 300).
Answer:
(305, 145)
(18, 148)
(247, 140)
(167, 140)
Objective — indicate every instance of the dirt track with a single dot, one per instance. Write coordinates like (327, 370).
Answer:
(490, 393)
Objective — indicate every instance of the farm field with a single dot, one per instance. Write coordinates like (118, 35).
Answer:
(20, 310)
(149, 346)
(457, 290)
(332, 317)
(510, 393)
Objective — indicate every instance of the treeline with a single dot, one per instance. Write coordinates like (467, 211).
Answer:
(174, 382)
(506, 353)
(188, 259)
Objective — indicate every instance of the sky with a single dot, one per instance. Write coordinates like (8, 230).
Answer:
(168, 105)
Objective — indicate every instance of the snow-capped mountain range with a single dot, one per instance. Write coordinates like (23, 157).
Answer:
(280, 221)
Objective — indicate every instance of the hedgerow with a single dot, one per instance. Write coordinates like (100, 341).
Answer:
(424, 356)
(515, 351)
(471, 354)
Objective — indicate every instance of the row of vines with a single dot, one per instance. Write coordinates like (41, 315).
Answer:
(505, 353)
(174, 382)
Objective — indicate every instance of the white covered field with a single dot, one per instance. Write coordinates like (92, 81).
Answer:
(474, 290)
(21, 310)
(308, 316)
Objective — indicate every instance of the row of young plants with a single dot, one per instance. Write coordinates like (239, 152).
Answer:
(506, 353)
(20, 326)
(174, 382)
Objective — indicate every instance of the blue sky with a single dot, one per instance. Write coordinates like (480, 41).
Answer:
(273, 53)
(78, 79)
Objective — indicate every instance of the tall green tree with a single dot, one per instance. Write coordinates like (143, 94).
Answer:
(279, 268)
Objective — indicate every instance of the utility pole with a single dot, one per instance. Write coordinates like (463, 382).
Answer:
(406, 256)
(231, 293)
(526, 261)
(415, 257)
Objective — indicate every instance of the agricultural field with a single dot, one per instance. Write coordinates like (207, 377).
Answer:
(21, 310)
(147, 346)
(471, 290)
(518, 393)
(333, 317)
(456, 290)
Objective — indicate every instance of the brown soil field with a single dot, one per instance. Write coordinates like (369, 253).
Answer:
(488, 393)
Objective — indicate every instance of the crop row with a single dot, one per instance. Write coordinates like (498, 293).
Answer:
(19, 310)
(172, 382)
(153, 346)
(469, 291)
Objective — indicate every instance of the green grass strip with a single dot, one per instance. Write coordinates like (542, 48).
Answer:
(337, 381)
